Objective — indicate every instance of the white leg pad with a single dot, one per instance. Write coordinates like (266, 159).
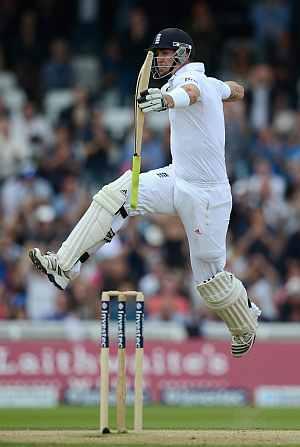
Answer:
(89, 231)
(75, 270)
(226, 295)
(111, 197)
(95, 224)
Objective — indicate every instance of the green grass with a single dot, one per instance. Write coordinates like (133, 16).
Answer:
(155, 417)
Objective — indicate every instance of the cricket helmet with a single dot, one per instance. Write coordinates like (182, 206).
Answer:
(172, 39)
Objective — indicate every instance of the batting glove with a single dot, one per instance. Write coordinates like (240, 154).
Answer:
(151, 100)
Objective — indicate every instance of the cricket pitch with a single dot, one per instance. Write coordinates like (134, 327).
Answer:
(154, 437)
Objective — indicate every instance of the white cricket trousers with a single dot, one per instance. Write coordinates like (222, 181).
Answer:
(203, 209)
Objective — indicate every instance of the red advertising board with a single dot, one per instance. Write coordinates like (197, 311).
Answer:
(191, 364)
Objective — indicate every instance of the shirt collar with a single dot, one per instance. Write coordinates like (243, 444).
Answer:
(195, 66)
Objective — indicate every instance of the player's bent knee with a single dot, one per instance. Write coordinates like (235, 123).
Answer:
(221, 290)
(226, 295)
(113, 196)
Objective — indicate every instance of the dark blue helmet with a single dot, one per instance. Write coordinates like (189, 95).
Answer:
(172, 39)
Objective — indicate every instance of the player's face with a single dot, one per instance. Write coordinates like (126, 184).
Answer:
(165, 60)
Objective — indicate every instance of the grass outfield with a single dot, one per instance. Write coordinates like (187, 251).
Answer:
(201, 426)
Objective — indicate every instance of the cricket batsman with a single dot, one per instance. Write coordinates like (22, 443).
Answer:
(195, 187)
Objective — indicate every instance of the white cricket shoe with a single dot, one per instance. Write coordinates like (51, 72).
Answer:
(241, 344)
(48, 264)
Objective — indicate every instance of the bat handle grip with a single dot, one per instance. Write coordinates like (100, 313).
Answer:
(136, 168)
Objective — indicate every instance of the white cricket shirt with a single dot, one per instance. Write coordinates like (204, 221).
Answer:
(198, 131)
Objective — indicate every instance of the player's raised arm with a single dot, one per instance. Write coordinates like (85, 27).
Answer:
(237, 91)
(182, 96)
(185, 95)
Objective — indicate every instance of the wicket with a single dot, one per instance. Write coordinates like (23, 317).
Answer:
(104, 361)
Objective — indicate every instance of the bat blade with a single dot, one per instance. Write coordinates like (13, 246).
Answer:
(142, 84)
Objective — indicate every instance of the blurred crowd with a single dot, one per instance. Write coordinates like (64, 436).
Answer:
(65, 67)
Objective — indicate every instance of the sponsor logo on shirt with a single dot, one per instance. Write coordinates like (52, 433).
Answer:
(162, 174)
(190, 79)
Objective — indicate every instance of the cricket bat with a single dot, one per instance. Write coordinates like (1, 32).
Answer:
(142, 84)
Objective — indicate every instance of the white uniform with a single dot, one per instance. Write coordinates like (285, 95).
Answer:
(195, 186)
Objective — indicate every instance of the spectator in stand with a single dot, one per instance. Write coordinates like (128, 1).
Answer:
(55, 19)
(27, 55)
(237, 61)
(12, 153)
(87, 31)
(32, 129)
(3, 108)
(111, 77)
(57, 72)
(78, 115)
(174, 247)
(16, 285)
(42, 225)
(114, 270)
(64, 306)
(260, 97)
(169, 304)
(268, 146)
(4, 305)
(134, 250)
(270, 18)
(153, 155)
(71, 201)
(293, 209)
(285, 68)
(150, 283)
(290, 305)
(202, 28)
(37, 309)
(98, 153)
(60, 159)
(21, 194)
(259, 238)
(264, 189)
(262, 281)
(8, 22)
(133, 42)
(292, 249)
(236, 143)
(77, 118)
(291, 145)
